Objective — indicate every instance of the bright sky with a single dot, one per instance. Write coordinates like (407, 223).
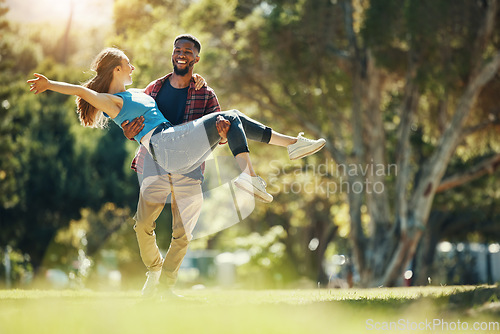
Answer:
(90, 12)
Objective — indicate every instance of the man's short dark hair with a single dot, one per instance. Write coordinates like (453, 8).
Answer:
(190, 38)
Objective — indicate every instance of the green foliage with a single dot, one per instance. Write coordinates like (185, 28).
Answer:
(267, 266)
(81, 248)
(438, 34)
(21, 270)
(213, 13)
(132, 16)
(51, 166)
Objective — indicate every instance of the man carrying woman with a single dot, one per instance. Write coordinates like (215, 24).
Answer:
(177, 149)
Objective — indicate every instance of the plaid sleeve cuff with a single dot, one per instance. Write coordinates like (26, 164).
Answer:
(138, 162)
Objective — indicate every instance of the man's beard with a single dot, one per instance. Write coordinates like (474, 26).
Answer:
(181, 72)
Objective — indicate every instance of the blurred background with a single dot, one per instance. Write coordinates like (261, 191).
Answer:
(406, 93)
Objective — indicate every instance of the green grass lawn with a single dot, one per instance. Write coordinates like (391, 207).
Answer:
(247, 311)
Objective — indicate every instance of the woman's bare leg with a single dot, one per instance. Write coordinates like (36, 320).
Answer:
(243, 160)
(279, 139)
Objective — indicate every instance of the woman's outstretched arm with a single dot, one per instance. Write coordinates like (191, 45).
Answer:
(107, 103)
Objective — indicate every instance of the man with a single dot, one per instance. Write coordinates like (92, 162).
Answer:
(179, 102)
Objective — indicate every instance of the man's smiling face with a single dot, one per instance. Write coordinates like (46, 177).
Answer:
(184, 56)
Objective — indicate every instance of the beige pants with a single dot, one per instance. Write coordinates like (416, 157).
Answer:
(187, 200)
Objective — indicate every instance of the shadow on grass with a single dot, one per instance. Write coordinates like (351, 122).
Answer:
(481, 299)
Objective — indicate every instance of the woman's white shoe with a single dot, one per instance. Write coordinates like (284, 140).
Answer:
(253, 185)
(304, 147)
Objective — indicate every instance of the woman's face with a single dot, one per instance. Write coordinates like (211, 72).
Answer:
(126, 69)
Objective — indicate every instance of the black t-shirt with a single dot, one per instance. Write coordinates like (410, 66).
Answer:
(172, 102)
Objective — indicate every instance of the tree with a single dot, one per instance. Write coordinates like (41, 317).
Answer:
(468, 213)
(374, 73)
(413, 204)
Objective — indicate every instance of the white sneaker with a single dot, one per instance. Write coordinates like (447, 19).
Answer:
(254, 185)
(304, 147)
(151, 286)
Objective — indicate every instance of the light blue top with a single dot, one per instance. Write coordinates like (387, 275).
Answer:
(135, 104)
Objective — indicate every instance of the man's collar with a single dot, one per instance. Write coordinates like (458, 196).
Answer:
(162, 80)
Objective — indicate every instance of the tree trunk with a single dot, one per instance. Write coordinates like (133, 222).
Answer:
(382, 256)
(424, 259)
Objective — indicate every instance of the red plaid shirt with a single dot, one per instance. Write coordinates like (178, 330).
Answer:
(199, 103)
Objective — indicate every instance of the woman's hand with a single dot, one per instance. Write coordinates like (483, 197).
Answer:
(199, 81)
(40, 84)
(223, 126)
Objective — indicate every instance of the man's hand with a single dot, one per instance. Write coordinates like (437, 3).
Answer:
(223, 126)
(132, 129)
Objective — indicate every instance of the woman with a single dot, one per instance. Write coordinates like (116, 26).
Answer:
(177, 149)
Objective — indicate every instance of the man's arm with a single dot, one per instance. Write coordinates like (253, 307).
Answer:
(149, 87)
(212, 104)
